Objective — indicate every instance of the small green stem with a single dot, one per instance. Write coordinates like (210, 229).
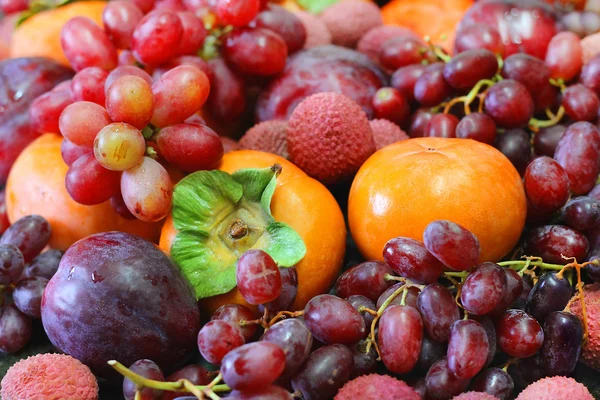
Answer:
(462, 274)
(390, 277)
(386, 303)
(537, 263)
(536, 124)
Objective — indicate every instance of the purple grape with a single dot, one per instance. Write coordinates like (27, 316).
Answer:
(289, 289)
(514, 144)
(439, 310)
(581, 213)
(467, 348)
(494, 381)
(15, 329)
(441, 382)
(548, 295)
(552, 242)
(400, 328)
(364, 363)
(30, 234)
(509, 104)
(294, 339)
(45, 265)
(333, 320)
(253, 365)
(357, 301)
(546, 140)
(454, 245)
(147, 369)
(431, 351)
(28, 296)
(11, 264)
(483, 289)
(366, 279)
(563, 336)
(410, 259)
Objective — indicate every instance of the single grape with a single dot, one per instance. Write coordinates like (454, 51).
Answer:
(484, 289)
(88, 85)
(439, 310)
(147, 190)
(548, 295)
(120, 19)
(399, 338)
(190, 147)
(263, 362)
(514, 288)
(30, 234)
(401, 51)
(515, 145)
(294, 339)
(410, 259)
(390, 104)
(442, 125)
(237, 314)
(593, 271)
(490, 331)
(431, 88)
(118, 205)
(89, 183)
(477, 126)
(546, 184)
(129, 99)
(357, 301)
(590, 74)
(404, 79)
(124, 70)
(119, 146)
(148, 369)
(44, 266)
(333, 320)
(455, 246)
(70, 151)
(581, 213)
(366, 279)
(15, 329)
(258, 278)
(564, 56)
(156, 37)
(364, 362)
(85, 44)
(509, 104)
(467, 68)
(267, 392)
(478, 36)
(431, 351)
(467, 348)
(11, 263)
(196, 374)
(519, 334)
(256, 51)
(441, 383)
(193, 35)
(419, 122)
(227, 98)
(410, 299)
(546, 140)
(494, 381)
(81, 121)
(289, 289)
(237, 12)
(27, 296)
(552, 242)
(217, 338)
(284, 23)
(563, 336)
(178, 94)
(580, 103)
(45, 110)
(324, 373)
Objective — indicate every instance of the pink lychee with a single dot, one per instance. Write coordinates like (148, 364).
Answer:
(376, 387)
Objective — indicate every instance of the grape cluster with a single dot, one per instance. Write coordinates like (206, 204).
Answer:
(25, 269)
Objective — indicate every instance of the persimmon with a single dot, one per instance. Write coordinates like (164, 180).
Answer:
(39, 35)
(36, 185)
(299, 201)
(403, 187)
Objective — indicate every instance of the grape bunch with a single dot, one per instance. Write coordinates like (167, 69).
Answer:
(25, 269)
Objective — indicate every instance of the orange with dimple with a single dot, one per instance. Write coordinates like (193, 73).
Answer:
(403, 187)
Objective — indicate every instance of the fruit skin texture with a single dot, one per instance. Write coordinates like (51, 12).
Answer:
(53, 376)
(386, 132)
(375, 387)
(36, 185)
(348, 21)
(269, 136)
(305, 205)
(590, 352)
(329, 137)
(555, 388)
(114, 282)
(39, 36)
(317, 33)
(403, 187)
(475, 396)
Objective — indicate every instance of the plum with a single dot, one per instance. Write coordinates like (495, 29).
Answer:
(327, 68)
(117, 296)
(21, 81)
(524, 25)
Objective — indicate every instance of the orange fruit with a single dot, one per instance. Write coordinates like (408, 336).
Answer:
(36, 185)
(403, 187)
(304, 204)
(39, 35)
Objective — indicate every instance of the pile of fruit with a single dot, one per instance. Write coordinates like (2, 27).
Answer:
(300, 199)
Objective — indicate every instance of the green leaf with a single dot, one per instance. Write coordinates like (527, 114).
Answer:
(254, 181)
(285, 245)
(316, 6)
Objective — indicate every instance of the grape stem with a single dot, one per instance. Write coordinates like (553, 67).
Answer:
(283, 314)
(536, 124)
(182, 385)
(470, 97)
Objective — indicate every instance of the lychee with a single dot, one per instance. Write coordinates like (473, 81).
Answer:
(474, 396)
(386, 132)
(329, 137)
(348, 21)
(372, 42)
(317, 33)
(49, 376)
(555, 388)
(269, 136)
(590, 352)
(376, 387)
(229, 144)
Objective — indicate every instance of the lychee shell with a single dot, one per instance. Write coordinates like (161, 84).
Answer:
(590, 352)
(555, 388)
(376, 387)
(269, 136)
(474, 396)
(348, 21)
(386, 132)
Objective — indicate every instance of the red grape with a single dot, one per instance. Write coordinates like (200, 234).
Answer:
(85, 44)
(467, 348)
(404, 50)
(169, 5)
(237, 12)
(548, 295)
(441, 382)
(217, 338)
(44, 265)
(118, 205)
(494, 381)
(465, 69)
(390, 104)
(193, 35)
(15, 329)
(404, 79)
(253, 365)
(129, 99)
(236, 314)
(27, 296)
(120, 18)
(80, 122)
(581, 213)
(11, 264)
(147, 369)
(284, 23)
(190, 147)
(227, 97)
(590, 74)
(332, 320)
(294, 339)
(515, 145)
(552, 242)
(546, 140)
(439, 310)
(441, 125)
(580, 103)
(399, 338)
(419, 122)
(431, 88)
(477, 126)
(546, 184)
(564, 56)
(156, 38)
(366, 279)
(144, 5)
(364, 363)
(184, 60)
(519, 334)
(124, 70)
(258, 278)
(88, 85)
(509, 104)
(70, 152)
(455, 246)
(45, 111)
(478, 36)
(30, 234)
(514, 288)
(563, 337)
(289, 289)
(89, 183)
(256, 51)
(410, 259)
(483, 289)
(431, 351)
(119, 146)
